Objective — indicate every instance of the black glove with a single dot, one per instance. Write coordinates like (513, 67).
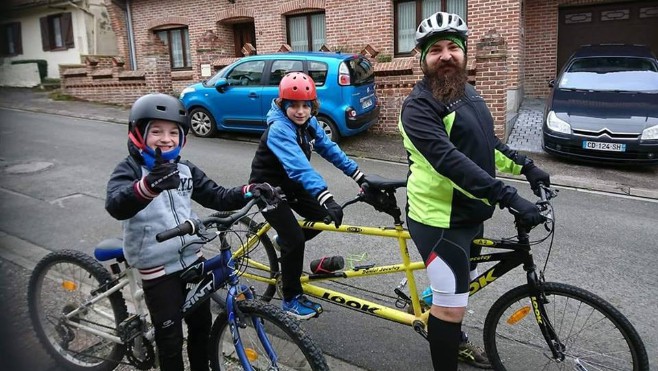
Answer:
(527, 212)
(270, 193)
(535, 176)
(335, 212)
(163, 176)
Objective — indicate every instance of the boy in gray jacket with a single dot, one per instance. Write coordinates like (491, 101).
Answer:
(152, 190)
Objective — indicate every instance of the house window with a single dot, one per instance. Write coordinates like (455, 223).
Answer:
(57, 32)
(10, 39)
(409, 14)
(306, 32)
(178, 41)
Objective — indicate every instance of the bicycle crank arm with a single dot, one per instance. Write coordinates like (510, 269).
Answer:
(419, 327)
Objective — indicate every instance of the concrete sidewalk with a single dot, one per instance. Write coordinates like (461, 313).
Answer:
(524, 137)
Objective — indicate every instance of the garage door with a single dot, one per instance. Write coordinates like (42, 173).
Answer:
(629, 22)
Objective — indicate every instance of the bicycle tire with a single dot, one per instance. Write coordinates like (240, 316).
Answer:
(60, 283)
(593, 332)
(294, 347)
(263, 253)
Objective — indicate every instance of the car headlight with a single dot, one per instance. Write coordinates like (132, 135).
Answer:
(650, 133)
(556, 124)
(189, 89)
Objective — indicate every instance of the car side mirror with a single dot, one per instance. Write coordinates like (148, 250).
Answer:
(221, 84)
(551, 83)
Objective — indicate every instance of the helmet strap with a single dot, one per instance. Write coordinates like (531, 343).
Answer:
(136, 137)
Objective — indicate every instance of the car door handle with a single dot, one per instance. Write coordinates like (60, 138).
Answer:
(252, 95)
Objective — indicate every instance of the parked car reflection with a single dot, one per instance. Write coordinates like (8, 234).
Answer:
(604, 106)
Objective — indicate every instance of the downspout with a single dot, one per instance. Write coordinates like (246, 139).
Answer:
(131, 37)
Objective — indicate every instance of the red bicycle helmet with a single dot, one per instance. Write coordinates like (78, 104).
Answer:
(297, 86)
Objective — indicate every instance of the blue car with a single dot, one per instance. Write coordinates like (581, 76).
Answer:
(238, 97)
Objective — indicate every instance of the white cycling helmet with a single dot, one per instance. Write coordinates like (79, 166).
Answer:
(440, 22)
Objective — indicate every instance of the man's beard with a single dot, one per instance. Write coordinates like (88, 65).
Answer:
(446, 87)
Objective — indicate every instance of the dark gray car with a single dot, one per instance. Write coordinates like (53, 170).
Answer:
(604, 106)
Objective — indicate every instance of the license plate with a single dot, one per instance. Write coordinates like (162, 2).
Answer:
(366, 103)
(602, 146)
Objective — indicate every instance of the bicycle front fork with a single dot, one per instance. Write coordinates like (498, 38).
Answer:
(236, 320)
(539, 300)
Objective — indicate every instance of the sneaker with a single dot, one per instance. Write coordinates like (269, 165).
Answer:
(301, 308)
(275, 243)
(473, 355)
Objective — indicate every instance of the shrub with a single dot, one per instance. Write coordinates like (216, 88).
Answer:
(41, 63)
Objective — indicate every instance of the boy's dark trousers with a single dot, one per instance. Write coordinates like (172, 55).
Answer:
(292, 237)
(164, 299)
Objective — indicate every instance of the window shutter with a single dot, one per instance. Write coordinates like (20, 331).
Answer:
(18, 41)
(45, 34)
(67, 30)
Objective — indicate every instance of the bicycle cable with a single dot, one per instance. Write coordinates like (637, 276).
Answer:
(550, 245)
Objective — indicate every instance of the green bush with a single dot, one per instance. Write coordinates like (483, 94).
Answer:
(41, 63)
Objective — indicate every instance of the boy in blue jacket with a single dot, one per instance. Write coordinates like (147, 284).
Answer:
(283, 160)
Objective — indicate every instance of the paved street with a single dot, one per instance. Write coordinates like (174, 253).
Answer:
(600, 245)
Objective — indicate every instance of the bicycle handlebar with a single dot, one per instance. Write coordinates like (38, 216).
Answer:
(191, 226)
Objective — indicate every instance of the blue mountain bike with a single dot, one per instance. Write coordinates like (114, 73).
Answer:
(89, 318)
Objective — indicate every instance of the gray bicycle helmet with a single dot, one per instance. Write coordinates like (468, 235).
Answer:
(157, 106)
(438, 23)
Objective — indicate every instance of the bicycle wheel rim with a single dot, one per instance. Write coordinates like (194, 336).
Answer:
(595, 335)
(294, 349)
(62, 285)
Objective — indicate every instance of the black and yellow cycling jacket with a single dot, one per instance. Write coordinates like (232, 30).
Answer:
(453, 154)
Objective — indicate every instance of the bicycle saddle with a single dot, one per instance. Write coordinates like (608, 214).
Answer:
(109, 249)
(379, 182)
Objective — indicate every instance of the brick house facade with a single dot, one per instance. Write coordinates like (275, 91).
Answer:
(512, 47)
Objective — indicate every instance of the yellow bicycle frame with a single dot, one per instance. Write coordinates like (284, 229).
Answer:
(407, 267)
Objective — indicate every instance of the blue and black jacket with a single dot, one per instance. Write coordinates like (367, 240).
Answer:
(284, 153)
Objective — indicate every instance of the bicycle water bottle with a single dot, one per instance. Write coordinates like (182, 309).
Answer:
(327, 264)
(426, 296)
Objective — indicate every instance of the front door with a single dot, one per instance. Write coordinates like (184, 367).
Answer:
(243, 33)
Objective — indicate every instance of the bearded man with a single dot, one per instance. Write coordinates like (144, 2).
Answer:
(453, 154)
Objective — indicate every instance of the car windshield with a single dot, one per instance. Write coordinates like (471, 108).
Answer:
(213, 80)
(611, 74)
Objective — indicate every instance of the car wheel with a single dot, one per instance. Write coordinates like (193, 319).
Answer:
(329, 128)
(202, 123)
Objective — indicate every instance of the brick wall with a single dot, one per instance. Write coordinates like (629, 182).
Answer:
(492, 65)
(105, 79)
(351, 26)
